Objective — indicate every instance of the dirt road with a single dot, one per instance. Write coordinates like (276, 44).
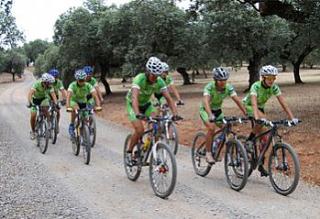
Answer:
(102, 190)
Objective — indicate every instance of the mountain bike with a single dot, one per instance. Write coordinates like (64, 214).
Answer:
(92, 127)
(283, 164)
(82, 133)
(152, 152)
(42, 129)
(170, 132)
(235, 157)
(53, 122)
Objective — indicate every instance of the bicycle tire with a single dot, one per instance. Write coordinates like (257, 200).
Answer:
(93, 126)
(174, 143)
(54, 128)
(161, 169)
(86, 144)
(250, 155)
(132, 175)
(237, 163)
(44, 133)
(295, 160)
(199, 152)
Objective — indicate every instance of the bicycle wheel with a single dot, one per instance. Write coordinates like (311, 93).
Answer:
(163, 170)
(54, 128)
(93, 130)
(236, 165)
(250, 154)
(133, 171)
(85, 141)
(76, 142)
(172, 137)
(198, 155)
(43, 136)
(284, 169)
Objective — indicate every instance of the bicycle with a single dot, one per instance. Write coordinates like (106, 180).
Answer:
(92, 127)
(82, 133)
(287, 163)
(235, 158)
(170, 132)
(53, 122)
(155, 154)
(42, 128)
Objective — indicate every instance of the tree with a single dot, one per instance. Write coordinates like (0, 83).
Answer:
(14, 63)
(34, 48)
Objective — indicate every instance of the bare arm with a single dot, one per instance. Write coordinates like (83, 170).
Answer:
(170, 102)
(285, 106)
(96, 98)
(206, 104)
(236, 99)
(174, 90)
(99, 94)
(135, 102)
(69, 95)
(31, 92)
(255, 106)
(64, 94)
(54, 97)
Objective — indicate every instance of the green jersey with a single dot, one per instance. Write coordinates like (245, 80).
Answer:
(168, 80)
(79, 94)
(262, 93)
(40, 91)
(145, 88)
(93, 82)
(57, 86)
(217, 97)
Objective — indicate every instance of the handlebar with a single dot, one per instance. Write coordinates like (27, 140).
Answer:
(232, 119)
(158, 118)
(283, 122)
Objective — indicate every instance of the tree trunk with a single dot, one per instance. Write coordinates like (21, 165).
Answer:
(13, 76)
(284, 68)
(296, 73)
(205, 73)
(184, 74)
(104, 70)
(253, 68)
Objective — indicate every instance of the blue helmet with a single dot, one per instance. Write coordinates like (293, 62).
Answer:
(88, 70)
(54, 72)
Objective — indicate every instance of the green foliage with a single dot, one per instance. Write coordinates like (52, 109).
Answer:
(49, 59)
(34, 48)
(13, 61)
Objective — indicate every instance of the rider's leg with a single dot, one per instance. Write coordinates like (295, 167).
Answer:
(33, 120)
(138, 132)
(75, 107)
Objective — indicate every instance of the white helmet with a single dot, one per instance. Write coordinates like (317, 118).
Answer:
(165, 67)
(80, 74)
(220, 74)
(268, 70)
(45, 77)
(154, 66)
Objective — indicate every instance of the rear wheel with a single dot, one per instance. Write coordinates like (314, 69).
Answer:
(133, 170)
(198, 155)
(93, 130)
(54, 128)
(86, 144)
(236, 165)
(163, 170)
(284, 169)
(43, 136)
(76, 141)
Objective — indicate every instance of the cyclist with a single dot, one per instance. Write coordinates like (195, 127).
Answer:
(77, 97)
(91, 80)
(210, 109)
(39, 96)
(58, 86)
(255, 100)
(138, 99)
(170, 85)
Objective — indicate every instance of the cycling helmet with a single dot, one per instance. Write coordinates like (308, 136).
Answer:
(220, 74)
(80, 74)
(165, 67)
(154, 66)
(88, 70)
(54, 72)
(268, 70)
(47, 78)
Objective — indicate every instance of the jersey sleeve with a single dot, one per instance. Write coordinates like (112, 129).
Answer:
(276, 90)
(90, 88)
(170, 80)
(60, 85)
(71, 87)
(136, 83)
(161, 84)
(207, 90)
(254, 90)
(35, 86)
(231, 91)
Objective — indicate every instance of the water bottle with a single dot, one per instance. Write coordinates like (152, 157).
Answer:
(216, 142)
(146, 143)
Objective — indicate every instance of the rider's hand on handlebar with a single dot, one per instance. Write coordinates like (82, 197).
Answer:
(29, 105)
(262, 121)
(63, 102)
(295, 121)
(180, 103)
(69, 109)
(212, 118)
(140, 116)
(176, 118)
(98, 108)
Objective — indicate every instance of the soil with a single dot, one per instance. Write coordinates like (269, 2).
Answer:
(303, 99)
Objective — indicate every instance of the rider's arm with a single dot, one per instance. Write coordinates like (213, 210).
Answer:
(31, 92)
(96, 98)
(285, 106)
(54, 97)
(206, 104)
(236, 99)
(173, 89)
(99, 94)
(135, 102)
(255, 106)
(64, 94)
(69, 94)
(170, 102)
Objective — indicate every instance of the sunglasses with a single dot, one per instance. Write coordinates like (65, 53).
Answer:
(270, 78)
(81, 81)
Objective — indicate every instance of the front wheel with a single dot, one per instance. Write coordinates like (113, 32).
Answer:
(54, 128)
(162, 170)
(133, 169)
(93, 130)
(236, 165)
(284, 169)
(86, 144)
(198, 155)
(43, 136)
(172, 137)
